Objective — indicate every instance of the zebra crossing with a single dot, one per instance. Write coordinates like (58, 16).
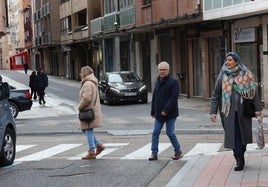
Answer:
(142, 153)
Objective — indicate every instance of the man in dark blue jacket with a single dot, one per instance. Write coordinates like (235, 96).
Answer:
(42, 83)
(165, 109)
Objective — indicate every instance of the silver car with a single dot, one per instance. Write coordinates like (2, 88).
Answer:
(7, 128)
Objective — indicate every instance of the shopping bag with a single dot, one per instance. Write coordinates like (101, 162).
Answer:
(260, 134)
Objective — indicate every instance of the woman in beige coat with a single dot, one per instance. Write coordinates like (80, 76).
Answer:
(87, 96)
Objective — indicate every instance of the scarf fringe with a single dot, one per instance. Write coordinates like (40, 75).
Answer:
(226, 108)
(248, 94)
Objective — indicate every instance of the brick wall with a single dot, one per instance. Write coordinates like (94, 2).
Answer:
(163, 10)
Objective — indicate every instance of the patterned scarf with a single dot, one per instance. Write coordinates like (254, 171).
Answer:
(241, 81)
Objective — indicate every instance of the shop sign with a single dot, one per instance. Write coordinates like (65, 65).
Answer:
(245, 35)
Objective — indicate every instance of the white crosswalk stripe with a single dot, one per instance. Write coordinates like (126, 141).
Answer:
(109, 148)
(23, 147)
(142, 153)
(48, 152)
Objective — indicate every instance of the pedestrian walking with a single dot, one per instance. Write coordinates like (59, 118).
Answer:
(164, 110)
(33, 84)
(89, 99)
(25, 66)
(42, 83)
(234, 85)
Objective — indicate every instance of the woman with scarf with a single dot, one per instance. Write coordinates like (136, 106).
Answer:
(235, 82)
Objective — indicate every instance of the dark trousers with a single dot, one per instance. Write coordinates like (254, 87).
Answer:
(239, 147)
(33, 92)
(41, 93)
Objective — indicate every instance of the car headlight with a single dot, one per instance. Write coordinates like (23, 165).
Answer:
(115, 90)
(142, 88)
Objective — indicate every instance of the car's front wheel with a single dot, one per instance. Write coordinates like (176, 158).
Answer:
(14, 109)
(8, 149)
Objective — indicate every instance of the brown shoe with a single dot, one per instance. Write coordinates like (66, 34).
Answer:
(177, 155)
(90, 155)
(99, 149)
(153, 157)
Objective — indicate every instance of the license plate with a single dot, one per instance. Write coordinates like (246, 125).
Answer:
(131, 94)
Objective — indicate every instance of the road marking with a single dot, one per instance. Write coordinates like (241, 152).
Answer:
(48, 152)
(204, 149)
(23, 147)
(109, 147)
(145, 151)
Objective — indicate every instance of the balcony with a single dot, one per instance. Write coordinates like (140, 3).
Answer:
(232, 9)
(127, 16)
(109, 21)
(96, 25)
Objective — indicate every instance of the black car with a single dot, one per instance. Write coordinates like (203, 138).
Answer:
(19, 100)
(122, 86)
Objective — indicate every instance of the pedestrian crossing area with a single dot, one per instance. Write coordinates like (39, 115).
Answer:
(25, 153)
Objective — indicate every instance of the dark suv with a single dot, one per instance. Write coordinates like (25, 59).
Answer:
(7, 128)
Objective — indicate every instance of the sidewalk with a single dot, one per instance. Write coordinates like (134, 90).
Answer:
(217, 171)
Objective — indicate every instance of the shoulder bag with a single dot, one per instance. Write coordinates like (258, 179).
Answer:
(249, 108)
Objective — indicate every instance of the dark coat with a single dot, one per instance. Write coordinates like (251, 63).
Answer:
(228, 122)
(165, 98)
(33, 81)
(42, 80)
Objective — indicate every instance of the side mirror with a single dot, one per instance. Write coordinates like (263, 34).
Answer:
(5, 91)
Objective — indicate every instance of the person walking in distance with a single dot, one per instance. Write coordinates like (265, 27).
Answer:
(89, 98)
(25, 66)
(42, 83)
(33, 84)
(164, 109)
(235, 83)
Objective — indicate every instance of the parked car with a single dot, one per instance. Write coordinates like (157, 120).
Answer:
(122, 86)
(7, 129)
(19, 100)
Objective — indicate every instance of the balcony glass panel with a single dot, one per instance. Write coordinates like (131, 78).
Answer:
(237, 2)
(216, 4)
(127, 16)
(208, 4)
(227, 3)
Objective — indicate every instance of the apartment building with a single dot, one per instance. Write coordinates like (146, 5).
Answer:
(46, 51)
(76, 43)
(3, 24)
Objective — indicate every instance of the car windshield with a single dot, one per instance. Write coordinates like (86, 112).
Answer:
(124, 77)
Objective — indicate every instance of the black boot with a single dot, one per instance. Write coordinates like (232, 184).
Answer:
(240, 162)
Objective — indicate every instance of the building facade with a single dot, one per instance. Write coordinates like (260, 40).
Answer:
(193, 36)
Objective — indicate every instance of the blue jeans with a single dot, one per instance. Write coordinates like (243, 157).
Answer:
(91, 139)
(170, 125)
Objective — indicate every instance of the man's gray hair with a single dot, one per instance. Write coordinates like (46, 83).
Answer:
(163, 63)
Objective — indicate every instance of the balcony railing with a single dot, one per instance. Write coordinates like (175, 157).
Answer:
(110, 20)
(216, 9)
(127, 16)
(96, 25)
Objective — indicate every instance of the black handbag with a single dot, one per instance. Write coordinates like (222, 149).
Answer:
(88, 115)
(249, 108)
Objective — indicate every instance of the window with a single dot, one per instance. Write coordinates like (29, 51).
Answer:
(66, 25)
(147, 2)
(110, 6)
(64, 1)
(126, 3)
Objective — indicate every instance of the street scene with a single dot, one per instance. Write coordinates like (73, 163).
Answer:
(50, 145)
(139, 93)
